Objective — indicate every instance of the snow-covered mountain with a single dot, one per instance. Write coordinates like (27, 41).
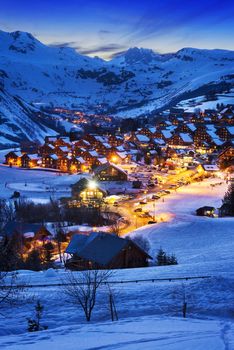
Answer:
(134, 82)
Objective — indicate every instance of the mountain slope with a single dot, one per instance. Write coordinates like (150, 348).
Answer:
(135, 82)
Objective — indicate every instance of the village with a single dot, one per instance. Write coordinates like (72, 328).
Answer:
(114, 185)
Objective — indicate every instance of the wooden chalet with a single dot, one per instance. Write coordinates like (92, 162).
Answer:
(181, 139)
(227, 155)
(102, 250)
(29, 160)
(86, 192)
(110, 172)
(46, 149)
(13, 158)
(33, 231)
(50, 161)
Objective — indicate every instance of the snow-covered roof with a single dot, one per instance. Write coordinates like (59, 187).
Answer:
(210, 167)
(33, 156)
(107, 145)
(102, 160)
(101, 139)
(217, 141)
(53, 156)
(80, 160)
(93, 153)
(166, 133)
(230, 129)
(120, 149)
(159, 141)
(191, 126)
(142, 138)
(122, 154)
(64, 149)
(186, 137)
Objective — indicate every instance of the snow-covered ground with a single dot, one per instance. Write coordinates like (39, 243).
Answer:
(37, 185)
(200, 102)
(141, 333)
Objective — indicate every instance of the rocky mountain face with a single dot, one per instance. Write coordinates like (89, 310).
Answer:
(136, 82)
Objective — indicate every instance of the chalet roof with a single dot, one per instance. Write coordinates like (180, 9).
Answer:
(166, 133)
(102, 160)
(122, 155)
(11, 153)
(107, 145)
(93, 153)
(80, 160)
(230, 129)
(186, 137)
(101, 139)
(120, 149)
(33, 156)
(142, 138)
(217, 141)
(98, 247)
(205, 208)
(106, 166)
(53, 156)
(159, 141)
(210, 167)
(191, 126)
(64, 148)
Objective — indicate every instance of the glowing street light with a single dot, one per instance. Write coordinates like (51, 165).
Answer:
(92, 185)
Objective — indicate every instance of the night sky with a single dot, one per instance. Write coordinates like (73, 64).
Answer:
(105, 27)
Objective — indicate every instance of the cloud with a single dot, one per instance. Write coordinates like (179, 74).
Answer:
(103, 31)
(101, 49)
(72, 44)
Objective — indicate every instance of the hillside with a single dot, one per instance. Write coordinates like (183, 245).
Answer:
(135, 82)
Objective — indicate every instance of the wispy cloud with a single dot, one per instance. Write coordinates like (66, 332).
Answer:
(64, 44)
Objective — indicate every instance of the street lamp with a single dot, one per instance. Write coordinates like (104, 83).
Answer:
(92, 185)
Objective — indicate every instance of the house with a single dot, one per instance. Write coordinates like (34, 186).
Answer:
(102, 250)
(50, 161)
(35, 231)
(210, 168)
(181, 139)
(46, 149)
(110, 172)
(87, 192)
(29, 160)
(227, 156)
(13, 158)
(205, 211)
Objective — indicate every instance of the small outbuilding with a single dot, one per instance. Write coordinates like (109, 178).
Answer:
(205, 211)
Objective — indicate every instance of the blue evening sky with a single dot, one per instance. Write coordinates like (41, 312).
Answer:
(105, 27)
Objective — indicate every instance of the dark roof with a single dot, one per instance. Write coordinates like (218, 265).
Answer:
(98, 247)
(22, 228)
(105, 166)
(206, 208)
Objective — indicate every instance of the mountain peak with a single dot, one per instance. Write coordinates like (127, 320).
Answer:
(138, 55)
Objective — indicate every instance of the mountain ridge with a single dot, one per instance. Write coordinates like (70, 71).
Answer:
(137, 82)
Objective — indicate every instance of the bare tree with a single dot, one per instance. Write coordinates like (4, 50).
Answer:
(82, 288)
(10, 291)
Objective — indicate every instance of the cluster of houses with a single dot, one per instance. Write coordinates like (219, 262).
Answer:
(175, 138)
